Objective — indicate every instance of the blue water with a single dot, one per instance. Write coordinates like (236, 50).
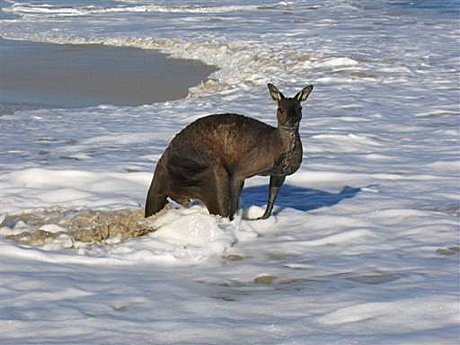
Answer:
(447, 7)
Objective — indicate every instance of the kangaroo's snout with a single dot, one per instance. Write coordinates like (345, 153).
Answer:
(289, 112)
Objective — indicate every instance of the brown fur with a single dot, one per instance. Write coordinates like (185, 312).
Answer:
(210, 158)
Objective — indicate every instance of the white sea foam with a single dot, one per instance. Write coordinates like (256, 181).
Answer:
(379, 313)
(29, 10)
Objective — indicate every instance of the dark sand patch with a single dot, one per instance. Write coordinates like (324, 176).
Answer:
(70, 76)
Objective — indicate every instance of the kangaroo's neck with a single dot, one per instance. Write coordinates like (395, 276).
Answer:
(289, 137)
(290, 153)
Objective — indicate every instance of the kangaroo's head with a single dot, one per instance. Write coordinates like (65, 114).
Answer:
(289, 109)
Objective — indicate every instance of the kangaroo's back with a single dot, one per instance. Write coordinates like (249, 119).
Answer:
(226, 138)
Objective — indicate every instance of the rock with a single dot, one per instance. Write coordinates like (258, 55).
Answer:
(264, 279)
(235, 257)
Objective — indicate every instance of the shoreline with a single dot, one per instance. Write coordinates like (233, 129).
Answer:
(48, 75)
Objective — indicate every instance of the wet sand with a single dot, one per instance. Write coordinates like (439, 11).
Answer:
(51, 75)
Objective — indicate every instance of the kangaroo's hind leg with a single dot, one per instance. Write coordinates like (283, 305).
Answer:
(236, 185)
(215, 191)
(156, 196)
(155, 202)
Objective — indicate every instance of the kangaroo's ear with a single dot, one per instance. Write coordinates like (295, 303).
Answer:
(303, 95)
(275, 93)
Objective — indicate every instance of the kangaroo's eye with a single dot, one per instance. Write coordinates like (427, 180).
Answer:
(281, 110)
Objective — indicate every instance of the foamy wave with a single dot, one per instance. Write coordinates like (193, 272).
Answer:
(64, 11)
(243, 62)
(344, 143)
(176, 236)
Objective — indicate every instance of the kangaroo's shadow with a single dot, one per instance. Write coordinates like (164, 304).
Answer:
(303, 199)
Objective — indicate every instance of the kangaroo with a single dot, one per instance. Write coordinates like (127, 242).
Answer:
(210, 158)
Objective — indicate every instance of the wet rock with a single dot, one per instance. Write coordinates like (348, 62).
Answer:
(264, 279)
(235, 257)
(448, 251)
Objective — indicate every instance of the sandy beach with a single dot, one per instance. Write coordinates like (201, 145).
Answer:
(53, 75)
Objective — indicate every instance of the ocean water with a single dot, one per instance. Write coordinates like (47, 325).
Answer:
(363, 244)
